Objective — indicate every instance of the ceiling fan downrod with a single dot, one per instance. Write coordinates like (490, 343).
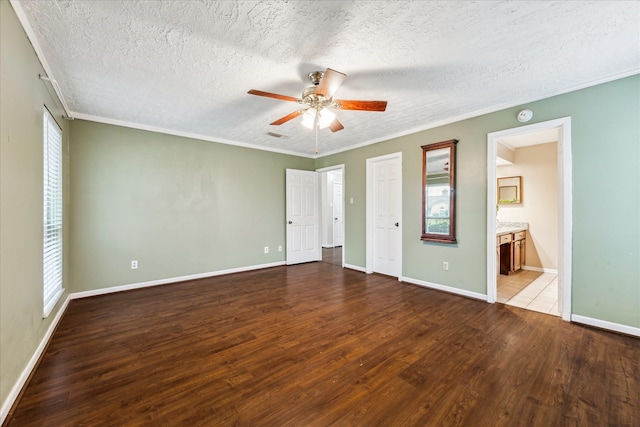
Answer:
(315, 77)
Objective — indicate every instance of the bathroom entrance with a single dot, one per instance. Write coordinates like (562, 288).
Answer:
(528, 217)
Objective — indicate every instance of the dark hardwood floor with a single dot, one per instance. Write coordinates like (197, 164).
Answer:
(318, 345)
(332, 255)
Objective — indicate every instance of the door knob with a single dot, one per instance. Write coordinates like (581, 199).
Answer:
(290, 222)
(397, 224)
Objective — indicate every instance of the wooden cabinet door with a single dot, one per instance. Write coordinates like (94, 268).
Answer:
(515, 256)
(523, 252)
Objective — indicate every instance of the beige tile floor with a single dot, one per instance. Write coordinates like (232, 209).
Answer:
(531, 290)
(509, 286)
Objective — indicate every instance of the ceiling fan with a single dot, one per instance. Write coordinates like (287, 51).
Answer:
(318, 101)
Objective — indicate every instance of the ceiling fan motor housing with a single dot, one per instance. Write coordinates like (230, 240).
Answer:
(319, 98)
(310, 98)
(315, 77)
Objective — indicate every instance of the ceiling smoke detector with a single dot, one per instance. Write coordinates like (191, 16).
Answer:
(525, 116)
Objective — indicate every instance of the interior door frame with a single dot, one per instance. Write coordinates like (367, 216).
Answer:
(565, 227)
(341, 168)
(370, 211)
(317, 255)
(341, 211)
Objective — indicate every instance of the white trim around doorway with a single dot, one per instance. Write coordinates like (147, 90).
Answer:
(370, 211)
(340, 168)
(564, 207)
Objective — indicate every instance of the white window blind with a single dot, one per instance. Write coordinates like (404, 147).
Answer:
(52, 177)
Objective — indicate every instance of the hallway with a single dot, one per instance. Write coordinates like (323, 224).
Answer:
(332, 255)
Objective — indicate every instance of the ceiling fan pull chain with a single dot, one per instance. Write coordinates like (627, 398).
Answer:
(316, 126)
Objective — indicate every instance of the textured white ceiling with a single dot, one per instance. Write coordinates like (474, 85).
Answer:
(186, 66)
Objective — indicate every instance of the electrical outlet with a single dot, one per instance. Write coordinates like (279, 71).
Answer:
(445, 266)
(266, 249)
(134, 264)
(280, 248)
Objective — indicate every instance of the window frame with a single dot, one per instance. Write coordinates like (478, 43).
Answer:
(52, 236)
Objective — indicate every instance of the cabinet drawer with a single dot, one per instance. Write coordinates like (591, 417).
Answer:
(519, 235)
(505, 238)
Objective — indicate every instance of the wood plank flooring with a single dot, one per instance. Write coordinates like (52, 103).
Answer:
(332, 255)
(318, 345)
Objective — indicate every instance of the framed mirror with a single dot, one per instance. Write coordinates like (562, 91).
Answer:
(439, 191)
(510, 190)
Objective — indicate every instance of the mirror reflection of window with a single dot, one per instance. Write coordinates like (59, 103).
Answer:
(438, 209)
(438, 191)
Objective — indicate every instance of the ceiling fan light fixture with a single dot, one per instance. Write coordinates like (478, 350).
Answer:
(325, 118)
(309, 117)
(317, 102)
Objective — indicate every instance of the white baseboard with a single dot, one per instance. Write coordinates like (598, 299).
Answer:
(540, 269)
(140, 285)
(603, 324)
(24, 376)
(355, 267)
(26, 372)
(444, 288)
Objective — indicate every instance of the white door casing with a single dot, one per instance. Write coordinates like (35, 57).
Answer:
(337, 214)
(384, 215)
(564, 208)
(303, 216)
(341, 170)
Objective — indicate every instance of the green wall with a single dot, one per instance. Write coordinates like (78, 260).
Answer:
(22, 99)
(183, 207)
(606, 191)
(178, 206)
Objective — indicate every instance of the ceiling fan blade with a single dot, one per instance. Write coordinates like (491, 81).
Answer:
(354, 104)
(331, 81)
(335, 126)
(287, 117)
(272, 95)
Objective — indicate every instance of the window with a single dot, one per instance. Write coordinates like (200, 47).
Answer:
(52, 177)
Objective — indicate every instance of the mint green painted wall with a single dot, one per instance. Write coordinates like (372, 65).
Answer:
(421, 260)
(181, 206)
(606, 192)
(606, 201)
(178, 206)
(22, 99)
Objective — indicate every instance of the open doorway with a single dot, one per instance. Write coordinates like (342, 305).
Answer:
(332, 214)
(529, 239)
(527, 221)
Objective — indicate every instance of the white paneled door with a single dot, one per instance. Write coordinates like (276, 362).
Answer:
(337, 214)
(384, 182)
(303, 216)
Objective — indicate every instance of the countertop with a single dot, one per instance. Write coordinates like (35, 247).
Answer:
(511, 227)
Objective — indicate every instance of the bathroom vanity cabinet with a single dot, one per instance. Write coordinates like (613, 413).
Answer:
(510, 250)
